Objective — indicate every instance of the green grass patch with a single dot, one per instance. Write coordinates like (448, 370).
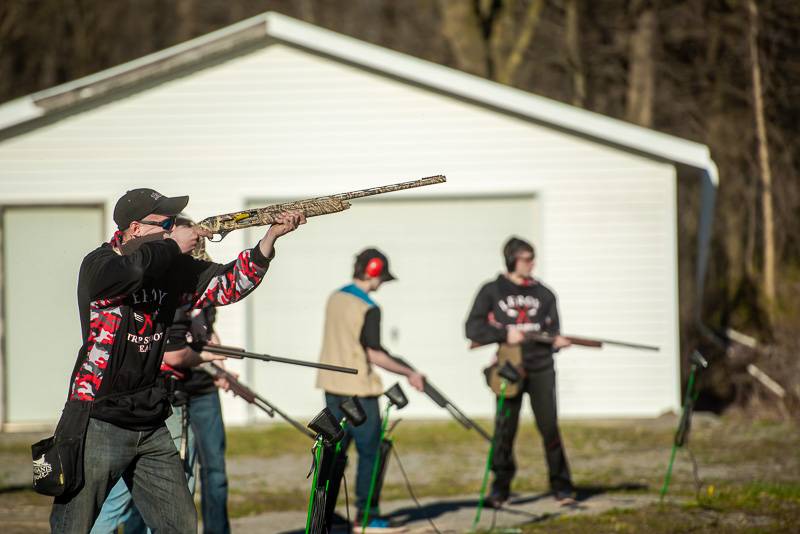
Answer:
(266, 441)
(752, 498)
(16, 448)
(756, 507)
(259, 502)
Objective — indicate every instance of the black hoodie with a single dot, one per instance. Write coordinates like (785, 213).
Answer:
(502, 305)
(126, 305)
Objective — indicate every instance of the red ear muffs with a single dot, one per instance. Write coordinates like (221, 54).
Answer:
(374, 267)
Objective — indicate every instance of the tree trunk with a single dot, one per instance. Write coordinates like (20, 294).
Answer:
(574, 62)
(504, 38)
(186, 13)
(461, 27)
(307, 11)
(763, 159)
(641, 73)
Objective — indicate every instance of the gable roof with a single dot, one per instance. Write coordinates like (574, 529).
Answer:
(270, 27)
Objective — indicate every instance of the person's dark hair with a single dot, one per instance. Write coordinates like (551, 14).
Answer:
(511, 250)
(358, 270)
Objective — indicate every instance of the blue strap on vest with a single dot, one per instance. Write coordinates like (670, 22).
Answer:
(356, 291)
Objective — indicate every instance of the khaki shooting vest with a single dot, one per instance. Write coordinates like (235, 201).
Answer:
(341, 345)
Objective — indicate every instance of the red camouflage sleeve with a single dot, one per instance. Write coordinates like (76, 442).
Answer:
(232, 282)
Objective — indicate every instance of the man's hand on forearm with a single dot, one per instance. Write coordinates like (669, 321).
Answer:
(383, 360)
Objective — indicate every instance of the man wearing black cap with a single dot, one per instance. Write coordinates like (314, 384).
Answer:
(352, 338)
(128, 292)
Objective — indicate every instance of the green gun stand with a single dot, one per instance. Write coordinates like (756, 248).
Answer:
(508, 374)
(329, 463)
(335, 464)
(398, 399)
(682, 433)
(317, 497)
(329, 433)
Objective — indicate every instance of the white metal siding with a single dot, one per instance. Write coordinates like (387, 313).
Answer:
(284, 123)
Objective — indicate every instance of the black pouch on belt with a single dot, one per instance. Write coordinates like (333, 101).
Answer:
(58, 460)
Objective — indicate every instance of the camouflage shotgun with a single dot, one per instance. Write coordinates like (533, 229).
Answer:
(222, 225)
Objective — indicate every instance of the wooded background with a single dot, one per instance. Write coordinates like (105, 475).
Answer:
(725, 73)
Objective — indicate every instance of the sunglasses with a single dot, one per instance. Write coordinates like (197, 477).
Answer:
(166, 224)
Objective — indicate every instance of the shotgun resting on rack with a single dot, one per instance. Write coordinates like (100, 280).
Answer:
(222, 225)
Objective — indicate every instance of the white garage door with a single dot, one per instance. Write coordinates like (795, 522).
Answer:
(42, 251)
(440, 251)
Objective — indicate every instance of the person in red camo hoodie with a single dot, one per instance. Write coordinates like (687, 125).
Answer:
(128, 291)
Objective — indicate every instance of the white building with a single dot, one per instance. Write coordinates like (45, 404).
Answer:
(272, 109)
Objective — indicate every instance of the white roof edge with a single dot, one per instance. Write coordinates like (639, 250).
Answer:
(9, 112)
(479, 89)
(19, 110)
(153, 58)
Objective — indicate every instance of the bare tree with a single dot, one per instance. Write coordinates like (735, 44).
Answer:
(573, 45)
(508, 44)
(461, 25)
(489, 38)
(763, 158)
(641, 74)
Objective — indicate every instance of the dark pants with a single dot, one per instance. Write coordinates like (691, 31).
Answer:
(150, 466)
(367, 437)
(541, 388)
(205, 415)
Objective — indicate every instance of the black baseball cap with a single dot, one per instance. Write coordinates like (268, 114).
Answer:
(137, 204)
(366, 255)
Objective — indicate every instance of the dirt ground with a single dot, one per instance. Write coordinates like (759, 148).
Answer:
(748, 478)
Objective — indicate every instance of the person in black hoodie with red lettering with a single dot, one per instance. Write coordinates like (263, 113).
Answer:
(128, 292)
(503, 311)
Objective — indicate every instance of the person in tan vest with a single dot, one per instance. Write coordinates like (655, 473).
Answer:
(352, 338)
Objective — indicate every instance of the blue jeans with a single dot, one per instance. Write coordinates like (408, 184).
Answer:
(118, 508)
(148, 463)
(368, 439)
(205, 415)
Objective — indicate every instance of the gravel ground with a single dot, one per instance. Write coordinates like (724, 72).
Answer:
(456, 514)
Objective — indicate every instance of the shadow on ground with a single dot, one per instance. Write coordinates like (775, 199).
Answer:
(433, 510)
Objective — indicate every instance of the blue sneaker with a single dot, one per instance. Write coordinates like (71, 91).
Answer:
(381, 525)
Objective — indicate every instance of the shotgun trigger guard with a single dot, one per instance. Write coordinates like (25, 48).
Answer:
(221, 234)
